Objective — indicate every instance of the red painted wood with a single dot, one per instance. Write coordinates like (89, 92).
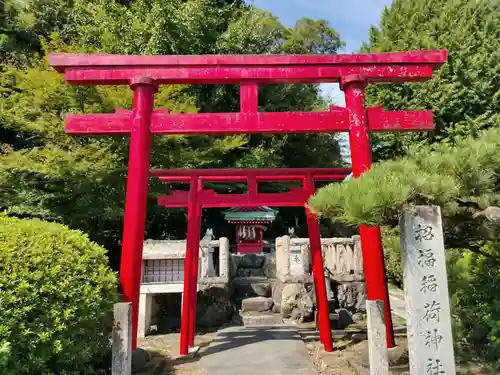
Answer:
(373, 256)
(189, 261)
(62, 61)
(335, 120)
(249, 248)
(399, 121)
(278, 173)
(402, 72)
(295, 197)
(195, 249)
(325, 177)
(136, 197)
(249, 71)
(249, 99)
(210, 199)
(318, 271)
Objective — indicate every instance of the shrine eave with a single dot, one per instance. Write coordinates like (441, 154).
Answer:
(248, 222)
(258, 215)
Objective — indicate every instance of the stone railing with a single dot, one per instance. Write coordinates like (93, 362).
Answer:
(163, 262)
(343, 265)
(163, 272)
(341, 256)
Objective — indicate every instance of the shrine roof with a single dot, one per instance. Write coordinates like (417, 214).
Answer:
(261, 213)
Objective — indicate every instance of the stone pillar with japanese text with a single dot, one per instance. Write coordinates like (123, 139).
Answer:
(430, 341)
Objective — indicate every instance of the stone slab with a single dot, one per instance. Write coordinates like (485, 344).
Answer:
(430, 340)
(377, 343)
(257, 350)
(251, 287)
(262, 320)
(257, 304)
(122, 339)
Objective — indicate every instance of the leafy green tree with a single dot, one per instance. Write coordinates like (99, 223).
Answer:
(80, 181)
(465, 94)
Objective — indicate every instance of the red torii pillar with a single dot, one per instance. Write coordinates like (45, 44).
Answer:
(196, 198)
(361, 159)
(137, 193)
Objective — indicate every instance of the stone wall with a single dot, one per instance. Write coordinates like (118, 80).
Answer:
(166, 260)
(253, 265)
(342, 261)
(209, 274)
(341, 256)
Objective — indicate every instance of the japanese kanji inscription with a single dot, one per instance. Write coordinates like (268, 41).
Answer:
(430, 341)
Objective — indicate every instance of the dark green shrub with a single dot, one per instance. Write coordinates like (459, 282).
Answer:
(474, 283)
(56, 297)
(392, 256)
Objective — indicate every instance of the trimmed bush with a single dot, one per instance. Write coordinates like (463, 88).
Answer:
(392, 256)
(56, 297)
(474, 282)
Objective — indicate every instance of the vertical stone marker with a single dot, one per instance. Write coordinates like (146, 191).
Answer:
(430, 341)
(122, 339)
(377, 341)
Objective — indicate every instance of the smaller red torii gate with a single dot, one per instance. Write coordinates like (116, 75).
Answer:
(197, 198)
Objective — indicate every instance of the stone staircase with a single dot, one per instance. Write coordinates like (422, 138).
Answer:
(257, 306)
(252, 290)
(251, 286)
(255, 318)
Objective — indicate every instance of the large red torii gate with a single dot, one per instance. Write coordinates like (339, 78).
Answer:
(145, 73)
(198, 198)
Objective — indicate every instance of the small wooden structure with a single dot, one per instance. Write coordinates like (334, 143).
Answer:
(250, 226)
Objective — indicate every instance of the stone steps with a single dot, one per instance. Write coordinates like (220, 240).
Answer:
(260, 319)
(256, 304)
(251, 287)
(256, 311)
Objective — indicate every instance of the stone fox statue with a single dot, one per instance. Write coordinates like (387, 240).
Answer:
(209, 235)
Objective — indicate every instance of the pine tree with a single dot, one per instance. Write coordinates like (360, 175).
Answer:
(465, 93)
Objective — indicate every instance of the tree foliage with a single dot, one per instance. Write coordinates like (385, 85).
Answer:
(56, 293)
(461, 177)
(465, 93)
(457, 166)
(80, 181)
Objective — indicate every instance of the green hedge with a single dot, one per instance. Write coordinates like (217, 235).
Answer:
(392, 256)
(56, 297)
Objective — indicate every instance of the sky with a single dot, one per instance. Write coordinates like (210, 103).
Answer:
(351, 18)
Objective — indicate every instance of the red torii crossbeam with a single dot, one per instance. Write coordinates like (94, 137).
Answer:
(197, 198)
(145, 73)
(335, 120)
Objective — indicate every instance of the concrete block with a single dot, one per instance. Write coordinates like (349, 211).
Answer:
(258, 304)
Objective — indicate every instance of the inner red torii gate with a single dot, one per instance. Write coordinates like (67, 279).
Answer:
(198, 198)
(145, 73)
